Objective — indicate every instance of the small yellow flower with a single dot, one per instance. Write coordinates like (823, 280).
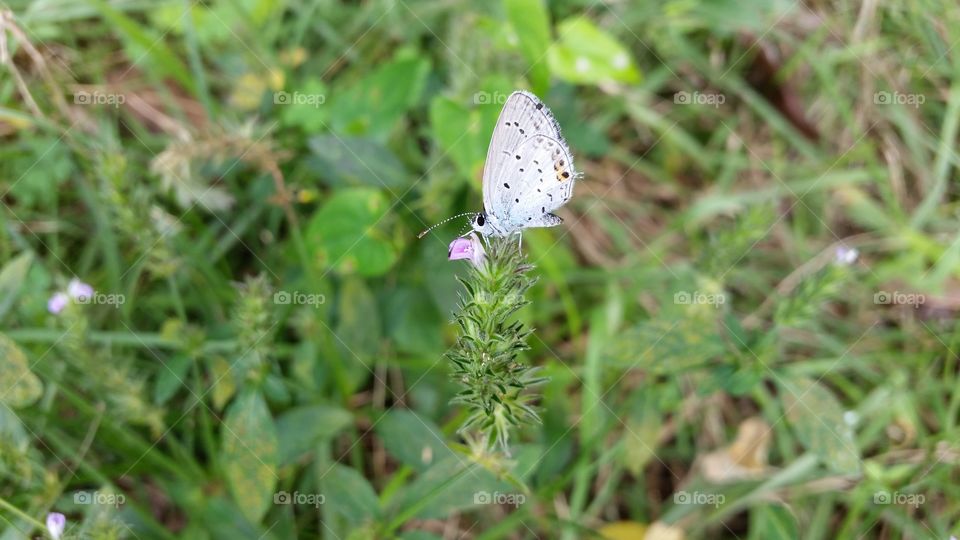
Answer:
(293, 57)
(307, 195)
(276, 78)
(247, 92)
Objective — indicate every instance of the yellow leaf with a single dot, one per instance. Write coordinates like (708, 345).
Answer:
(224, 385)
(623, 530)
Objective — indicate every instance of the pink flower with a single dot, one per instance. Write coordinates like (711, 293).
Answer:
(845, 256)
(56, 522)
(57, 302)
(77, 291)
(80, 291)
(469, 247)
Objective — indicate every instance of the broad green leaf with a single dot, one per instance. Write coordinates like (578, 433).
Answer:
(170, 377)
(215, 23)
(413, 322)
(531, 23)
(345, 234)
(304, 106)
(12, 278)
(275, 389)
(13, 437)
(669, 344)
(449, 485)
(358, 326)
(585, 54)
(455, 483)
(643, 423)
(353, 161)
(300, 429)
(222, 518)
(412, 439)
(19, 387)
(348, 494)
(772, 522)
(40, 169)
(817, 418)
(460, 132)
(249, 454)
(377, 101)
(225, 385)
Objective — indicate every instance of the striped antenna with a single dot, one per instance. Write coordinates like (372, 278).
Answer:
(424, 233)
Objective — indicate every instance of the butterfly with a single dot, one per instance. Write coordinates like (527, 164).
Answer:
(528, 173)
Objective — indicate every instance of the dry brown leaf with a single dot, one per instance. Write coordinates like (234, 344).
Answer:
(745, 458)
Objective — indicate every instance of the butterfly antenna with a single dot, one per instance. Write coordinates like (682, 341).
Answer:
(424, 233)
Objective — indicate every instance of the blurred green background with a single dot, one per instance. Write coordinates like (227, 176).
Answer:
(241, 182)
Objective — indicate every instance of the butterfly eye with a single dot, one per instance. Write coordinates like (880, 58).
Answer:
(480, 220)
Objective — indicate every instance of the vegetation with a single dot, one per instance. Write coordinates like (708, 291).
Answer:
(217, 321)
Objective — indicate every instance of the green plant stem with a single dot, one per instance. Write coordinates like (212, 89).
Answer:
(23, 515)
(132, 339)
(422, 503)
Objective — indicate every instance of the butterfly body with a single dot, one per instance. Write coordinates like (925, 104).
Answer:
(529, 170)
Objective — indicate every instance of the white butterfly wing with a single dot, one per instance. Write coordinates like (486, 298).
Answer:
(522, 117)
(536, 184)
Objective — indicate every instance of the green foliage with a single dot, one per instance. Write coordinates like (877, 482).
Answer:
(375, 103)
(818, 420)
(772, 521)
(412, 439)
(346, 234)
(531, 24)
(249, 454)
(19, 387)
(245, 180)
(585, 54)
(301, 429)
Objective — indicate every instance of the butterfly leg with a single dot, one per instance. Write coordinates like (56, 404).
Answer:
(519, 242)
